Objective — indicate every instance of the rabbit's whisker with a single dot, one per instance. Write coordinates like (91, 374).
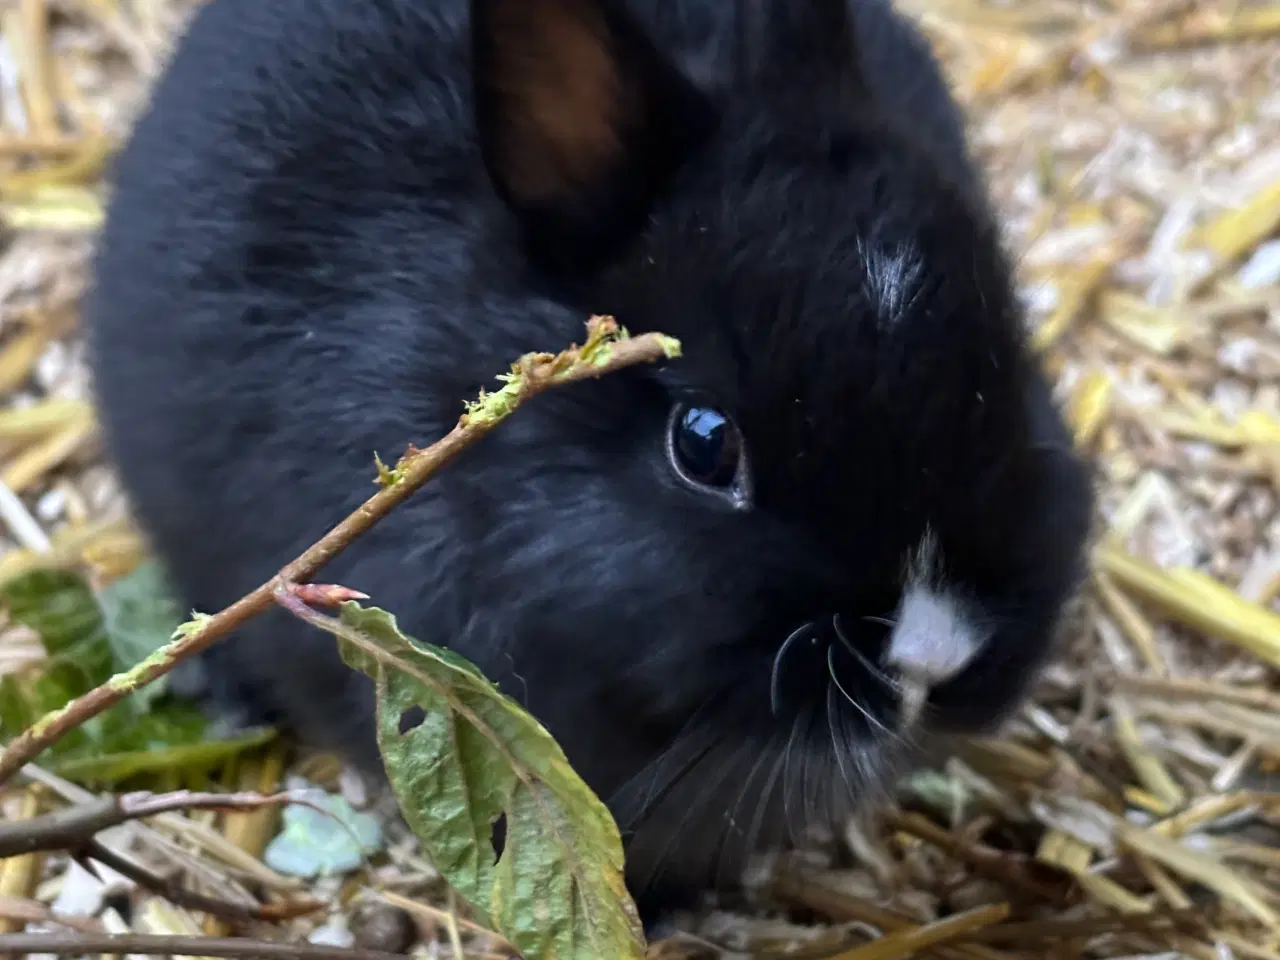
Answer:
(730, 823)
(762, 802)
(876, 671)
(790, 779)
(696, 806)
(833, 718)
(872, 718)
(775, 678)
(810, 784)
(696, 728)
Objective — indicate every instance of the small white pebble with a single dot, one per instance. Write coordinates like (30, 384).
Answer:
(354, 789)
(1263, 566)
(51, 506)
(101, 489)
(1139, 818)
(1263, 268)
(1199, 452)
(1240, 354)
(1268, 105)
(52, 365)
(333, 934)
(1107, 49)
(82, 894)
(1231, 397)
(1040, 297)
(1027, 189)
(1197, 841)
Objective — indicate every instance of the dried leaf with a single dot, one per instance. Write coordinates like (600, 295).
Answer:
(315, 843)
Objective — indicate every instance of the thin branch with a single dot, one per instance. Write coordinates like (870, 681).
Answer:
(157, 835)
(73, 827)
(25, 910)
(799, 888)
(607, 349)
(907, 943)
(67, 945)
(60, 829)
(1014, 871)
(1041, 931)
(178, 895)
(434, 915)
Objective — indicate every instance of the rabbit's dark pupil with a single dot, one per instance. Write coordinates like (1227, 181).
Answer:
(707, 445)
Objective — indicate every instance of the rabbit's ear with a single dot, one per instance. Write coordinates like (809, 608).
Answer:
(798, 43)
(580, 118)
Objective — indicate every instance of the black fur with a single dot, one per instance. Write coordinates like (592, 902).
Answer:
(313, 254)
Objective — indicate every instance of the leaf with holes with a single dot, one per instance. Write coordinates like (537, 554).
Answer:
(459, 755)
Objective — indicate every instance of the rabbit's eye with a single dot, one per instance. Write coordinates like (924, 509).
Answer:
(706, 448)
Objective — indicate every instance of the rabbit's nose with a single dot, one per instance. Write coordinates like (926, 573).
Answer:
(931, 641)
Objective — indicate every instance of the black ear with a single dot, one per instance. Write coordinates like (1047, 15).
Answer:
(798, 44)
(580, 118)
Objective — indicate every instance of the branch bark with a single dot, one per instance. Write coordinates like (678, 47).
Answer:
(64, 945)
(607, 349)
(75, 826)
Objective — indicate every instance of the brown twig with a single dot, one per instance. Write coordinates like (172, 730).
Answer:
(24, 910)
(434, 915)
(1040, 931)
(66, 945)
(606, 350)
(73, 827)
(182, 897)
(907, 943)
(799, 888)
(1016, 872)
(60, 829)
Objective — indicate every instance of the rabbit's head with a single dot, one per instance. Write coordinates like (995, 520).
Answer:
(852, 483)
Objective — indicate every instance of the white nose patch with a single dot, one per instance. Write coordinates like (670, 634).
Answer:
(933, 640)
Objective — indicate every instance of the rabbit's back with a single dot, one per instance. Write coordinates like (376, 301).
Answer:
(284, 286)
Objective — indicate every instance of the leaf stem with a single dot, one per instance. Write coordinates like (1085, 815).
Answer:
(607, 349)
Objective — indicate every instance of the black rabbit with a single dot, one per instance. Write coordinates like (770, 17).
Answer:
(339, 219)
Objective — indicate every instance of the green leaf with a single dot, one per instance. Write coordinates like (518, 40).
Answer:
(61, 608)
(14, 713)
(143, 734)
(114, 768)
(936, 791)
(558, 889)
(140, 615)
(314, 843)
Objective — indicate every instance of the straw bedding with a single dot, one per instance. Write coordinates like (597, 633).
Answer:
(1134, 147)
